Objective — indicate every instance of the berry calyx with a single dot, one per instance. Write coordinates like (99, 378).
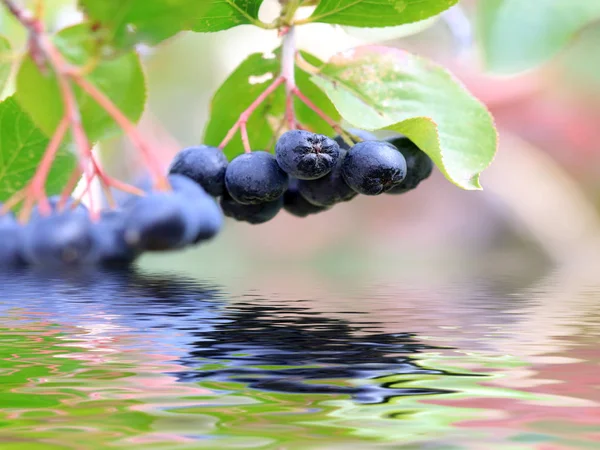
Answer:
(305, 155)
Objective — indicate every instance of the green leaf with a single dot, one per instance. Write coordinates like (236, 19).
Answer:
(22, 146)
(5, 62)
(127, 22)
(518, 35)
(377, 13)
(121, 79)
(244, 85)
(383, 88)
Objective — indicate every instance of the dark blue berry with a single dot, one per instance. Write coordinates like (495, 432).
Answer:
(11, 241)
(254, 178)
(203, 215)
(297, 205)
(60, 239)
(305, 155)
(418, 165)
(155, 222)
(361, 134)
(110, 234)
(330, 189)
(203, 164)
(254, 214)
(373, 167)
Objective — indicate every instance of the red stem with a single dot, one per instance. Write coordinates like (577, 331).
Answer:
(332, 123)
(290, 115)
(245, 137)
(38, 182)
(243, 119)
(69, 188)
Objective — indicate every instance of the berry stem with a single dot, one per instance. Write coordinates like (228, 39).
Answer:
(288, 68)
(243, 119)
(38, 182)
(332, 123)
(245, 137)
(69, 188)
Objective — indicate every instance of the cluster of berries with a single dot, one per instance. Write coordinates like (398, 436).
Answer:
(309, 173)
(159, 220)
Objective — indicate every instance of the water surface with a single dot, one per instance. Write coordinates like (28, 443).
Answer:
(159, 361)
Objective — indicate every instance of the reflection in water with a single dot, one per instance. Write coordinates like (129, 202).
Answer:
(97, 359)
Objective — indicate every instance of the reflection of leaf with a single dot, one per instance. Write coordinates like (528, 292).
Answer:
(518, 35)
(121, 79)
(383, 88)
(127, 22)
(22, 146)
(242, 87)
(377, 13)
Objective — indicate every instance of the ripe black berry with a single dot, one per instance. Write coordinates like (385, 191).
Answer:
(155, 222)
(254, 214)
(330, 189)
(254, 178)
(305, 155)
(110, 234)
(203, 164)
(11, 241)
(203, 216)
(373, 167)
(60, 239)
(297, 205)
(418, 165)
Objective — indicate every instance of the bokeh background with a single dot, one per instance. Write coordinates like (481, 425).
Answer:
(539, 206)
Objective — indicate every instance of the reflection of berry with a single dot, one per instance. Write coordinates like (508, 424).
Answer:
(418, 165)
(203, 164)
(297, 205)
(305, 155)
(254, 214)
(328, 190)
(373, 167)
(254, 178)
